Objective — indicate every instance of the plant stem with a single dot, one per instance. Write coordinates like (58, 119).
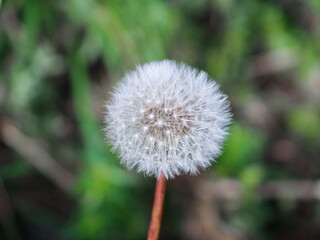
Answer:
(156, 216)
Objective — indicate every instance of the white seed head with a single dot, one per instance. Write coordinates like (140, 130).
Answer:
(180, 119)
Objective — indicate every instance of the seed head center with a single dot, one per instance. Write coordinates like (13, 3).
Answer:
(164, 121)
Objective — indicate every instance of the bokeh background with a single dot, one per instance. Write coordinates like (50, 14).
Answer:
(58, 62)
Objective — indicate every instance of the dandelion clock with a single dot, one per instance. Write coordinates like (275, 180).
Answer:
(166, 119)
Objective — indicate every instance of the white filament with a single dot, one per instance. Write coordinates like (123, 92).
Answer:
(167, 118)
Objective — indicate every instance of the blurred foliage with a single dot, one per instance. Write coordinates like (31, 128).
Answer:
(59, 59)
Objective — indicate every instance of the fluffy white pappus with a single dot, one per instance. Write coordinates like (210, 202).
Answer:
(167, 118)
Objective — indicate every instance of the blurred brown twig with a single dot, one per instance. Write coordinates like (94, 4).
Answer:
(281, 189)
(35, 155)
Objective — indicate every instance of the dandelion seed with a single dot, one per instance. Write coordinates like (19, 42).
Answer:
(176, 115)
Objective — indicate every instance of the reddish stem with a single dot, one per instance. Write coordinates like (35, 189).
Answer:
(156, 216)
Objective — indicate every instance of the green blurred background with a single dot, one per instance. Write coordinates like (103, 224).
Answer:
(60, 58)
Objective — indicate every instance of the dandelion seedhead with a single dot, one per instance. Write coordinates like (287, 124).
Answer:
(167, 118)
